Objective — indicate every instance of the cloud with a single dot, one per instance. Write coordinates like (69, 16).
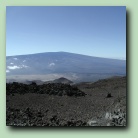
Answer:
(24, 66)
(7, 71)
(17, 67)
(13, 67)
(52, 64)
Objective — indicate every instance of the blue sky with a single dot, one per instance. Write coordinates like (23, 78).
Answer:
(95, 31)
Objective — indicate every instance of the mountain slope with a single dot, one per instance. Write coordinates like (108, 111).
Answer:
(63, 63)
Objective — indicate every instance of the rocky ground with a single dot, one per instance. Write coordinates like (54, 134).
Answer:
(102, 103)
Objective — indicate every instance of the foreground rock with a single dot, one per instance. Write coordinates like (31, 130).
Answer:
(29, 117)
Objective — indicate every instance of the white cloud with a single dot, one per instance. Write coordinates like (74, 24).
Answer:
(52, 64)
(7, 71)
(24, 66)
(74, 76)
(17, 67)
(13, 67)
(15, 58)
(11, 63)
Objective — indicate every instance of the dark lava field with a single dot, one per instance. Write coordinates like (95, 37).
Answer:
(101, 103)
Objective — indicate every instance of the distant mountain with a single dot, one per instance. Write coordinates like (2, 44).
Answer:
(62, 80)
(63, 64)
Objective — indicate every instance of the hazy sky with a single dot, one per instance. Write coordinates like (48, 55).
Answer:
(94, 31)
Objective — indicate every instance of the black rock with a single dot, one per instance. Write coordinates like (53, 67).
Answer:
(59, 89)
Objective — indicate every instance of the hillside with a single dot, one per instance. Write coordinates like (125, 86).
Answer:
(53, 65)
(84, 104)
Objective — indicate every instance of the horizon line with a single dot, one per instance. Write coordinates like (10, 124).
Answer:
(121, 58)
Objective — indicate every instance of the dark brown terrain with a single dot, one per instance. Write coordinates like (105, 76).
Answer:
(102, 103)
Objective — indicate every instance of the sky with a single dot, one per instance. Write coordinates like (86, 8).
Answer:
(91, 30)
